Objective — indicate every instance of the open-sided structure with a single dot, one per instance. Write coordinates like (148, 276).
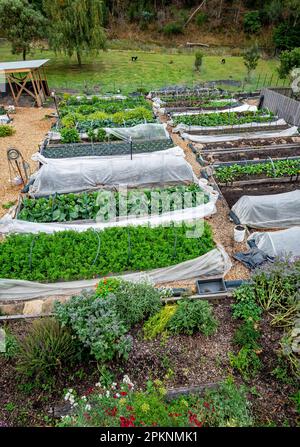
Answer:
(26, 77)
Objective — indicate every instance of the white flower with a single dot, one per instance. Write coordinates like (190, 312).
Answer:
(113, 386)
(75, 404)
(84, 398)
(98, 385)
(107, 394)
(118, 395)
(67, 396)
(88, 407)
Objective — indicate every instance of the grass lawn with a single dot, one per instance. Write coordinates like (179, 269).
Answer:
(113, 69)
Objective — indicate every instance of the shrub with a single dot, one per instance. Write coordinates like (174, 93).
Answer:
(12, 345)
(245, 306)
(46, 350)
(193, 316)
(70, 135)
(157, 324)
(247, 335)
(201, 18)
(252, 23)
(198, 60)
(246, 362)
(286, 37)
(172, 28)
(123, 406)
(136, 301)
(288, 61)
(96, 324)
(6, 131)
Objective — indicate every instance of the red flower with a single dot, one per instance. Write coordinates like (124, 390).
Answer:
(123, 393)
(89, 391)
(112, 412)
(193, 420)
(129, 408)
(206, 405)
(127, 422)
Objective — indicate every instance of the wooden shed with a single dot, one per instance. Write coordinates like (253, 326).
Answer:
(26, 77)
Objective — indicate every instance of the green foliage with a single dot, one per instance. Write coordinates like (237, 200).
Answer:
(76, 26)
(23, 24)
(68, 207)
(252, 22)
(46, 351)
(247, 335)
(200, 19)
(245, 306)
(223, 119)
(246, 362)
(251, 58)
(96, 324)
(296, 400)
(136, 302)
(275, 169)
(101, 321)
(97, 135)
(6, 131)
(193, 316)
(288, 61)
(172, 28)
(198, 60)
(12, 345)
(226, 406)
(70, 136)
(286, 37)
(70, 255)
(156, 325)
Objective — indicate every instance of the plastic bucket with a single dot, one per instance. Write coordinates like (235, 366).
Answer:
(239, 233)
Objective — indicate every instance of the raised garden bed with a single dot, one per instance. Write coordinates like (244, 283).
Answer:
(286, 170)
(103, 149)
(70, 256)
(232, 193)
(88, 206)
(236, 130)
(249, 153)
(224, 119)
(246, 143)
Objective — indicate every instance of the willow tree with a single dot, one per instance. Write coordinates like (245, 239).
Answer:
(76, 26)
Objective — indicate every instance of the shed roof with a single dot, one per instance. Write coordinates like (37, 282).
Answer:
(22, 65)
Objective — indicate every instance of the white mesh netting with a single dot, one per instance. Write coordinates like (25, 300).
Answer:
(214, 263)
(278, 243)
(67, 175)
(140, 132)
(269, 211)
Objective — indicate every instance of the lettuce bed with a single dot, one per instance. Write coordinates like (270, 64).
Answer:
(71, 256)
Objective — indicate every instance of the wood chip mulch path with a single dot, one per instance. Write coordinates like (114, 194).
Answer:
(31, 126)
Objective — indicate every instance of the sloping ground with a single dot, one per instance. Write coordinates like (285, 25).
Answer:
(31, 125)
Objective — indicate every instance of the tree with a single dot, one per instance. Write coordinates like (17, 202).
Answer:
(288, 61)
(22, 24)
(251, 58)
(252, 23)
(76, 26)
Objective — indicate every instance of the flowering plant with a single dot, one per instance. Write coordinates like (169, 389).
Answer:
(121, 405)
